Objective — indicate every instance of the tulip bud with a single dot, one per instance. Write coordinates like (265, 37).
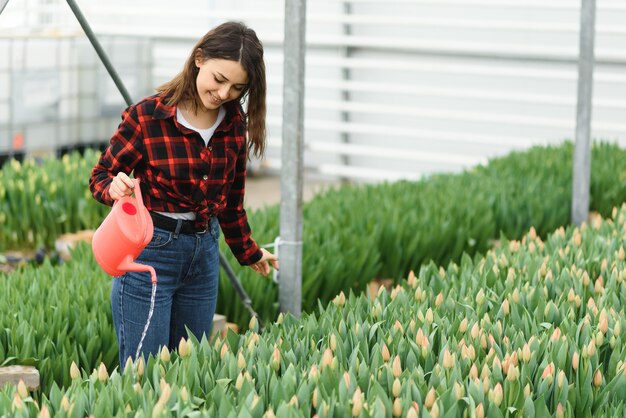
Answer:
(617, 328)
(486, 384)
(575, 359)
(340, 299)
(314, 374)
(560, 378)
(269, 413)
(315, 398)
(103, 375)
(513, 373)
(18, 404)
(184, 394)
(241, 360)
(495, 364)
(591, 348)
(183, 349)
(412, 279)
(429, 316)
(239, 381)
(459, 390)
(357, 403)
(597, 378)
(480, 297)
(560, 413)
(463, 326)
(333, 342)
(498, 394)
(474, 331)
(385, 353)
(21, 389)
(396, 409)
(434, 411)
(397, 327)
(473, 371)
(439, 300)
(137, 387)
(74, 371)
(599, 339)
(253, 325)
(327, 358)
(505, 307)
(526, 353)
(44, 412)
(430, 398)
(448, 359)
(275, 362)
(396, 367)
(480, 411)
(412, 412)
(603, 322)
(548, 372)
(346, 379)
(396, 388)
(527, 391)
(157, 411)
(165, 354)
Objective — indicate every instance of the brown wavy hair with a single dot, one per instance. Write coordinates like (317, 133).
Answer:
(236, 42)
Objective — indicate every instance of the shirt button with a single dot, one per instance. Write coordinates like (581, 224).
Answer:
(210, 148)
(205, 177)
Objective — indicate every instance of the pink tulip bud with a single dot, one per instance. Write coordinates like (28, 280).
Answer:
(597, 378)
(575, 360)
(480, 411)
(430, 398)
(498, 394)
(548, 372)
(396, 367)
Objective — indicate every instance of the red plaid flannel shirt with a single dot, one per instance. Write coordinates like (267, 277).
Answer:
(179, 173)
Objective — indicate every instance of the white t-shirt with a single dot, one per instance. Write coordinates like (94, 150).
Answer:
(206, 134)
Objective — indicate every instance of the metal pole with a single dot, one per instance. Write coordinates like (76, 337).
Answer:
(582, 150)
(103, 56)
(3, 4)
(290, 283)
(346, 75)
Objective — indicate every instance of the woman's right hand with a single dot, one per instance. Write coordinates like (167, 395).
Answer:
(121, 186)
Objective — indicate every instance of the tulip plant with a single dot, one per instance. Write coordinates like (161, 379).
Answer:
(532, 328)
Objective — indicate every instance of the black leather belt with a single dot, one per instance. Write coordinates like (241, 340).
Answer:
(171, 224)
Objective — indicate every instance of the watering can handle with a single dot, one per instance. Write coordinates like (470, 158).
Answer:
(142, 212)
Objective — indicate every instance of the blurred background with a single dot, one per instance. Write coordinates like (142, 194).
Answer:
(394, 89)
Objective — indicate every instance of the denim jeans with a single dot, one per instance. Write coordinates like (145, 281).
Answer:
(187, 268)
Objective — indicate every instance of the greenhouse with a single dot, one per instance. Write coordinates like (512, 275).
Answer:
(412, 208)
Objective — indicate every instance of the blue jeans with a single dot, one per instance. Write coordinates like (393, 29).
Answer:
(187, 268)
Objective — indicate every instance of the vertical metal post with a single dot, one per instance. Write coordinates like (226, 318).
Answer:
(290, 283)
(346, 75)
(582, 152)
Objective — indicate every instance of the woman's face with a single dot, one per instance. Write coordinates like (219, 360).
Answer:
(219, 81)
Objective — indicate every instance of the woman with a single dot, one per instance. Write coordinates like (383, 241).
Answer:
(188, 145)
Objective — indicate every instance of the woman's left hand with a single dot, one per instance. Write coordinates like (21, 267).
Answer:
(263, 265)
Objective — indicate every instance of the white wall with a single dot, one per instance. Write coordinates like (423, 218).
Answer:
(407, 87)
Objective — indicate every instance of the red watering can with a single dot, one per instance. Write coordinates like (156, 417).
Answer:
(122, 236)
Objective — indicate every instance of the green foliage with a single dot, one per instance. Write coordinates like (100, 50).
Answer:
(533, 327)
(41, 200)
(53, 315)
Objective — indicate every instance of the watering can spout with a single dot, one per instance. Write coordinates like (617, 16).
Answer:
(128, 264)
